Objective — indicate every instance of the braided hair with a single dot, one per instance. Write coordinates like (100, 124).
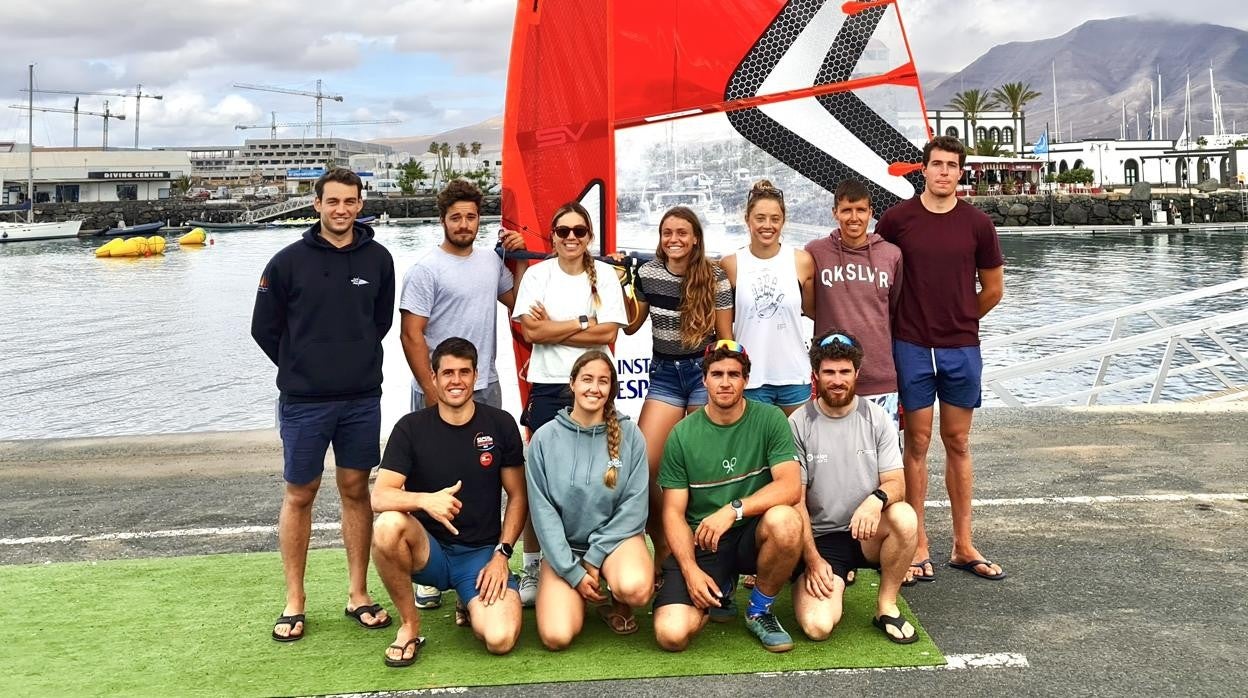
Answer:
(587, 259)
(614, 435)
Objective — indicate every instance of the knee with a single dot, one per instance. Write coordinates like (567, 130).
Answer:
(556, 639)
(917, 440)
(671, 639)
(818, 629)
(634, 591)
(300, 496)
(388, 529)
(958, 443)
(902, 520)
(783, 525)
(500, 639)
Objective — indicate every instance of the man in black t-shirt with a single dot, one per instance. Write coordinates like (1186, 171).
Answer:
(439, 491)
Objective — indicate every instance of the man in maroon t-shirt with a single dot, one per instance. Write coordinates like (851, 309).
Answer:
(947, 245)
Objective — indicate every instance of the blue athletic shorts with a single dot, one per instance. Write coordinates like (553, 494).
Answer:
(454, 566)
(677, 382)
(545, 401)
(925, 374)
(780, 395)
(308, 428)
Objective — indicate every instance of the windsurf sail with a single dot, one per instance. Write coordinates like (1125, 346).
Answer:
(629, 105)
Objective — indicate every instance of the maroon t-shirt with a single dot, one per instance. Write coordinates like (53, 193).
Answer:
(940, 253)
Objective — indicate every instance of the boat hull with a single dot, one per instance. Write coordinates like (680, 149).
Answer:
(143, 229)
(23, 232)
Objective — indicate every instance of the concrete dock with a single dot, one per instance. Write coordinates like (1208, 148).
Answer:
(1122, 530)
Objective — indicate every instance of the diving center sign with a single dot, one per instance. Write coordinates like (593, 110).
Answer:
(128, 174)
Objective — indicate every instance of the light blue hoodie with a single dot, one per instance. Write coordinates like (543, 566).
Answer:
(572, 509)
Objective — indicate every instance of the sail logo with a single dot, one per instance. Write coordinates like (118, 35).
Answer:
(357, 281)
(567, 134)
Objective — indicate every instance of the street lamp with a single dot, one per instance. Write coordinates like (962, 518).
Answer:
(1100, 172)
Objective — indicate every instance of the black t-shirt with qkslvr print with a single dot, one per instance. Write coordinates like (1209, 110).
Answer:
(435, 455)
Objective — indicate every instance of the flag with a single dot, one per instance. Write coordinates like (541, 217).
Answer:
(1042, 144)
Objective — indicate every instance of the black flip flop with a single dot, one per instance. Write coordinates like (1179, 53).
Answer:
(358, 615)
(970, 567)
(921, 565)
(401, 662)
(899, 623)
(290, 620)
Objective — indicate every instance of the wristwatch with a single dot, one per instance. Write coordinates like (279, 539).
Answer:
(882, 496)
(738, 507)
(504, 549)
(584, 320)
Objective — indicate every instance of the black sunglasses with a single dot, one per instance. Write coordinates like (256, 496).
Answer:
(580, 231)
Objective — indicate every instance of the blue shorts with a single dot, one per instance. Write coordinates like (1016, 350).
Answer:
(455, 566)
(545, 401)
(924, 374)
(677, 382)
(780, 395)
(308, 428)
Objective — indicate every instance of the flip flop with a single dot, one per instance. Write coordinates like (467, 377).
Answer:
(462, 619)
(619, 623)
(401, 662)
(850, 581)
(882, 622)
(358, 615)
(290, 620)
(921, 576)
(971, 567)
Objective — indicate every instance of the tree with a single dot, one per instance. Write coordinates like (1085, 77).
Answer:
(462, 151)
(972, 103)
(988, 147)
(1015, 96)
(181, 185)
(410, 173)
(439, 170)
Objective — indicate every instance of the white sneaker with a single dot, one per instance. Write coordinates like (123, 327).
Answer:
(528, 586)
(428, 597)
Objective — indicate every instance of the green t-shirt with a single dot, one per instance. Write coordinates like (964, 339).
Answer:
(718, 464)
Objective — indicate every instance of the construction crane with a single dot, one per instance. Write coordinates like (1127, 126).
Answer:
(273, 125)
(138, 95)
(319, 95)
(106, 114)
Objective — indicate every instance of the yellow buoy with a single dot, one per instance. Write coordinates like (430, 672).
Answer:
(106, 250)
(156, 244)
(196, 237)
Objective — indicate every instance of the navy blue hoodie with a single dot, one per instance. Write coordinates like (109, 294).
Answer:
(320, 315)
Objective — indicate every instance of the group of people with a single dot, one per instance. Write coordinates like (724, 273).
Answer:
(759, 451)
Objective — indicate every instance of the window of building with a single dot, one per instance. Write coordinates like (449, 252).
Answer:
(66, 193)
(1007, 134)
(994, 134)
(952, 131)
(1130, 171)
(127, 192)
(981, 133)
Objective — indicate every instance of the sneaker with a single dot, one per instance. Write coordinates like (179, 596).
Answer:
(767, 629)
(428, 597)
(528, 586)
(725, 613)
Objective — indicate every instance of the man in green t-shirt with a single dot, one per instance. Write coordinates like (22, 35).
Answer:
(730, 482)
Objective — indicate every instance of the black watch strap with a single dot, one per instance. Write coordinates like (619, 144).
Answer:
(504, 549)
(882, 496)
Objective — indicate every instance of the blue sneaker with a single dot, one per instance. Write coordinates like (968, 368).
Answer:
(725, 613)
(428, 597)
(768, 630)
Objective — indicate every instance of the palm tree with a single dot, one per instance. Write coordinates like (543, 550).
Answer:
(972, 103)
(435, 148)
(1015, 96)
(462, 151)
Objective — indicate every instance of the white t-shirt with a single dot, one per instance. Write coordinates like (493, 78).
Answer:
(566, 297)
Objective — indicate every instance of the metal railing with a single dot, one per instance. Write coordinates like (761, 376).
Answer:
(1174, 337)
(263, 213)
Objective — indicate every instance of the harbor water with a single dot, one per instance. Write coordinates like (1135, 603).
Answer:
(162, 344)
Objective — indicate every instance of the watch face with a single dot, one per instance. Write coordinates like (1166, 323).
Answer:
(736, 504)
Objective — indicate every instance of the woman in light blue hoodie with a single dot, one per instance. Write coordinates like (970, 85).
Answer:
(588, 497)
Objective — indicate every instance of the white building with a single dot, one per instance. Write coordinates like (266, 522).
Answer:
(1158, 162)
(66, 175)
(269, 159)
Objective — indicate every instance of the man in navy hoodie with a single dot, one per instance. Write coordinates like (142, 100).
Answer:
(324, 304)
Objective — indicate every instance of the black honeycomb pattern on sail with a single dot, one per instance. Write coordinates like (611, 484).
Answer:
(859, 119)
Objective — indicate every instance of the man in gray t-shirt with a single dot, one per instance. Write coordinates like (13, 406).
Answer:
(853, 499)
(451, 292)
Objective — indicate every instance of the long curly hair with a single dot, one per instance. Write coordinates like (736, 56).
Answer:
(697, 288)
(587, 260)
(614, 436)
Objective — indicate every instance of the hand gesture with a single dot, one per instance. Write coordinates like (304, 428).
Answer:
(511, 240)
(820, 579)
(703, 589)
(442, 506)
(712, 527)
(866, 518)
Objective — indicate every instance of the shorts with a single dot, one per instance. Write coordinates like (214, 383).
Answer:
(841, 551)
(923, 374)
(889, 401)
(491, 395)
(308, 428)
(545, 400)
(737, 554)
(677, 382)
(455, 566)
(780, 395)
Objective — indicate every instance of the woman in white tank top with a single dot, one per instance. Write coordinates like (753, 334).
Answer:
(770, 281)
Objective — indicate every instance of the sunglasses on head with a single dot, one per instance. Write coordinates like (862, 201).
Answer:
(766, 191)
(838, 339)
(580, 231)
(729, 344)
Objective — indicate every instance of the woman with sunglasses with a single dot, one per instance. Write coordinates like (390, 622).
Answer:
(587, 483)
(771, 281)
(688, 300)
(565, 305)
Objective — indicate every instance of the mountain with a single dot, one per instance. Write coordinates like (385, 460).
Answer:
(489, 133)
(1102, 63)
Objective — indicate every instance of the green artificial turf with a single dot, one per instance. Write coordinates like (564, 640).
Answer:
(200, 626)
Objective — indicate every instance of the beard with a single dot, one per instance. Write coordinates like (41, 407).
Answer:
(832, 400)
(458, 240)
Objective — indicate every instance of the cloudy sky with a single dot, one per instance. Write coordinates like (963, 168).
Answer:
(434, 64)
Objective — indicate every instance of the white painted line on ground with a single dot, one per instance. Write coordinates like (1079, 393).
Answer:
(955, 662)
(335, 526)
(449, 690)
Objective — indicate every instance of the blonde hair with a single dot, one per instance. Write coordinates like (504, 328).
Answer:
(697, 288)
(764, 190)
(587, 259)
(614, 436)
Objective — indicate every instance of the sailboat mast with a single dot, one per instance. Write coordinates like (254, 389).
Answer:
(30, 144)
(1057, 123)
